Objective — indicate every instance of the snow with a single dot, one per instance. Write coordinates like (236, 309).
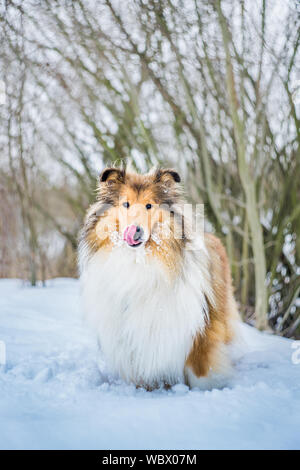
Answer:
(53, 395)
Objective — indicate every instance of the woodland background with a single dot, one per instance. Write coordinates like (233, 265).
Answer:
(210, 87)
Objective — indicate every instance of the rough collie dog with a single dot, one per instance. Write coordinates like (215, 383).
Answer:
(160, 300)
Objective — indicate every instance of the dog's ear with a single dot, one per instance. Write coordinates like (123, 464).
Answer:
(112, 175)
(168, 177)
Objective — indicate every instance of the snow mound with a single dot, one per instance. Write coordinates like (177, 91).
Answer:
(53, 395)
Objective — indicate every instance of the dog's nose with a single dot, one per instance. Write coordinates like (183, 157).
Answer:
(139, 232)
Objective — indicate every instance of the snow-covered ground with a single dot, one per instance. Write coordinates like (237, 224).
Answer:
(52, 394)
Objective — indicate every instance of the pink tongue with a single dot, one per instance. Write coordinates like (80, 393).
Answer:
(129, 234)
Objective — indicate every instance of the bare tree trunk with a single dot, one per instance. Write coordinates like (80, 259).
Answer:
(248, 183)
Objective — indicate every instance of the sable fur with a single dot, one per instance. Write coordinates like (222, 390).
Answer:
(163, 312)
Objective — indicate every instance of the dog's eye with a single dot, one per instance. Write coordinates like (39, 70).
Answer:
(148, 206)
(126, 204)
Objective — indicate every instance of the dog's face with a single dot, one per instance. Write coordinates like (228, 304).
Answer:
(137, 207)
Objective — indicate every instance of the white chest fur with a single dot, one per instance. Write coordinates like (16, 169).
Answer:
(145, 323)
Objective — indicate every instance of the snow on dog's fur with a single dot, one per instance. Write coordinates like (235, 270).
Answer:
(162, 305)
